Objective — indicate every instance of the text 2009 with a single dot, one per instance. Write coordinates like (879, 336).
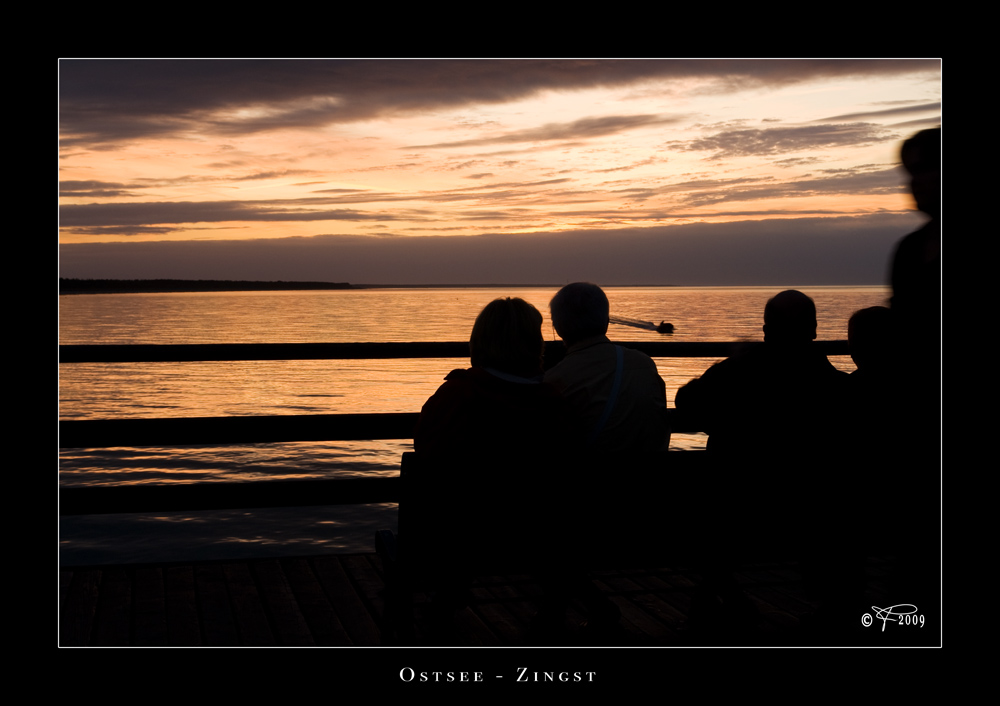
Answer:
(903, 614)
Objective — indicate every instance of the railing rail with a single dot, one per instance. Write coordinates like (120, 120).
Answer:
(189, 497)
(190, 431)
(167, 353)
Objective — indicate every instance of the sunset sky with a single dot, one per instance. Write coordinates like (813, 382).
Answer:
(488, 171)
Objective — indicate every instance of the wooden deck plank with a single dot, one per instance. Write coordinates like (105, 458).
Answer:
(635, 622)
(776, 609)
(368, 582)
(114, 610)
(248, 607)
(279, 601)
(183, 625)
(781, 589)
(336, 600)
(150, 608)
(504, 625)
(65, 581)
(472, 629)
(773, 616)
(361, 627)
(217, 619)
(317, 610)
(663, 612)
(518, 595)
(79, 608)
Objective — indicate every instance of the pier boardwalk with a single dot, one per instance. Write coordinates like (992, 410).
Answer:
(337, 601)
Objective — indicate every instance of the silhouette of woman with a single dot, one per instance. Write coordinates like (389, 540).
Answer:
(493, 441)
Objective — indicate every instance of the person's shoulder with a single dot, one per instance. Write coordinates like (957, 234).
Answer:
(749, 363)
(638, 359)
(552, 376)
(458, 378)
(459, 375)
(457, 383)
(637, 355)
(564, 371)
(745, 357)
(929, 230)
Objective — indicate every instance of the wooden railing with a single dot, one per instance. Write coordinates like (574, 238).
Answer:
(97, 433)
(554, 351)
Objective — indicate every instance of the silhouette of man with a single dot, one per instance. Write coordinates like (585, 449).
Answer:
(780, 395)
(779, 402)
(782, 402)
(621, 401)
(617, 391)
(916, 312)
(916, 264)
(869, 335)
(916, 298)
(877, 430)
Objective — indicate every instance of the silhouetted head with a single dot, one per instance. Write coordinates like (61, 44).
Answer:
(789, 317)
(921, 156)
(869, 334)
(507, 336)
(580, 310)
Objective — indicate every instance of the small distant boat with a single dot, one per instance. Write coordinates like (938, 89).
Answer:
(664, 326)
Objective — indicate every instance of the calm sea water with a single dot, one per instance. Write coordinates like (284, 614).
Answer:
(106, 391)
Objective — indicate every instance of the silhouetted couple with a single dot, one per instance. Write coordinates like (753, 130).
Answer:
(513, 449)
(611, 397)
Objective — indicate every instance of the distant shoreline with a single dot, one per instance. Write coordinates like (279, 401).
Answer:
(154, 286)
(164, 286)
(167, 286)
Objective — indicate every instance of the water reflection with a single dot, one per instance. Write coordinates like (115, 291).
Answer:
(234, 388)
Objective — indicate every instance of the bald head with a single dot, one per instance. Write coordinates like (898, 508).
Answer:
(790, 317)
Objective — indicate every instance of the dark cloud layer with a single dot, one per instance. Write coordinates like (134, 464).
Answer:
(117, 217)
(498, 201)
(890, 112)
(861, 182)
(779, 140)
(803, 251)
(141, 214)
(95, 189)
(107, 101)
(582, 129)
